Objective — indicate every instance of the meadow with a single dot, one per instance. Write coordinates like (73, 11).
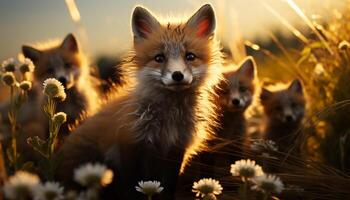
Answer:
(314, 163)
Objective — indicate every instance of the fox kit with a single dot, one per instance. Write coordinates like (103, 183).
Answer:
(147, 133)
(235, 95)
(284, 110)
(67, 64)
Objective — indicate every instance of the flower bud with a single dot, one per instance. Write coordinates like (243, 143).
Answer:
(9, 65)
(25, 85)
(59, 118)
(8, 78)
(26, 66)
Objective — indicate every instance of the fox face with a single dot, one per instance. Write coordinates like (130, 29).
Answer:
(173, 56)
(237, 90)
(62, 62)
(284, 106)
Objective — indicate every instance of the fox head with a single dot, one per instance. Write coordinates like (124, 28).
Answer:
(285, 106)
(173, 56)
(62, 62)
(237, 90)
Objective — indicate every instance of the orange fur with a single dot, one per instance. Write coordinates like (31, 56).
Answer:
(120, 120)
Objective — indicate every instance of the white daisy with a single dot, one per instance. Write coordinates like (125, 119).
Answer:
(20, 185)
(9, 65)
(48, 191)
(246, 169)
(263, 145)
(268, 184)
(149, 188)
(54, 89)
(207, 187)
(26, 66)
(93, 175)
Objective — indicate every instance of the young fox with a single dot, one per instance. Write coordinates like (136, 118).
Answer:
(147, 133)
(284, 110)
(67, 64)
(235, 95)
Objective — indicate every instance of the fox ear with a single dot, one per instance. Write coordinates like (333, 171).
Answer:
(248, 68)
(203, 21)
(31, 53)
(70, 43)
(296, 86)
(265, 94)
(143, 23)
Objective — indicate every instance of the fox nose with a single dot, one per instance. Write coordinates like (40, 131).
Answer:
(177, 76)
(235, 102)
(289, 118)
(63, 80)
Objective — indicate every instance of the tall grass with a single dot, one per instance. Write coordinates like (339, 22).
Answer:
(326, 76)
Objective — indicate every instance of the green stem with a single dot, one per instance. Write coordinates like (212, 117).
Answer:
(51, 107)
(266, 196)
(13, 123)
(53, 140)
(245, 186)
(94, 193)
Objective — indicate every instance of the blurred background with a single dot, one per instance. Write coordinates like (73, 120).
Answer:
(104, 26)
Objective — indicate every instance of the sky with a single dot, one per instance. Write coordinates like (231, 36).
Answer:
(105, 24)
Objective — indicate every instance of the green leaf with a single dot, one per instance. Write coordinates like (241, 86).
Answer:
(28, 166)
(38, 145)
(9, 153)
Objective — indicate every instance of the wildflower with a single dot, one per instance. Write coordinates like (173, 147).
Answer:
(263, 145)
(149, 188)
(59, 118)
(54, 89)
(8, 78)
(48, 191)
(25, 85)
(207, 188)
(26, 66)
(246, 169)
(9, 65)
(344, 45)
(93, 175)
(20, 185)
(268, 184)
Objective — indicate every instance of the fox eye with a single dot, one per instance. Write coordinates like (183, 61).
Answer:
(159, 58)
(279, 108)
(67, 65)
(50, 70)
(242, 88)
(190, 56)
